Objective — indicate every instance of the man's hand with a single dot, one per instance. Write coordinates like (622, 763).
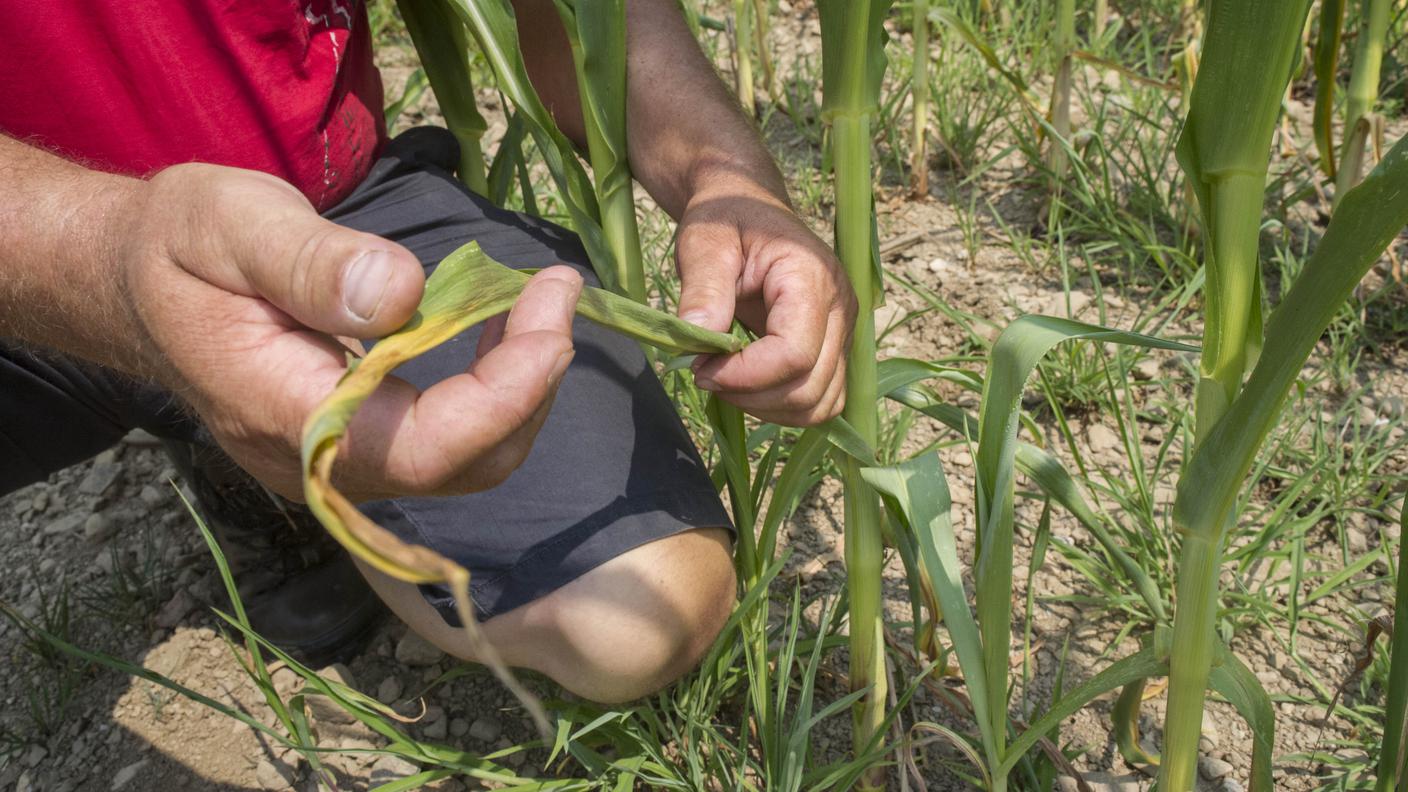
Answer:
(743, 253)
(240, 289)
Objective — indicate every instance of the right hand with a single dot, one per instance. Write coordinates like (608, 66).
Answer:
(241, 290)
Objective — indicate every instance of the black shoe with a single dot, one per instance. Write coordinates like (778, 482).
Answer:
(299, 587)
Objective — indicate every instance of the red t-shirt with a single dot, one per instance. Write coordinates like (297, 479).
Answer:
(287, 87)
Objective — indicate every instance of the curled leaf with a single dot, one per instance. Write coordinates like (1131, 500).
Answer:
(467, 288)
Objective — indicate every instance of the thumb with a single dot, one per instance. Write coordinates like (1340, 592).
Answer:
(709, 261)
(262, 238)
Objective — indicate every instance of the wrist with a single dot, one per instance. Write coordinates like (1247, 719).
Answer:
(718, 176)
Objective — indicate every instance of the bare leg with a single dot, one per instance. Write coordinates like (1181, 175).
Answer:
(622, 631)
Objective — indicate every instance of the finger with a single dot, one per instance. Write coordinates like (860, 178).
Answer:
(798, 315)
(469, 431)
(709, 258)
(492, 334)
(258, 236)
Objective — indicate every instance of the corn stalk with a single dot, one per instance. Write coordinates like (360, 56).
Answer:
(1392, 753)
(596, 31)
(1363, 127)
(1063, 45)
(853, 66)
(442, 43)
(919, 92)
(1246, 62)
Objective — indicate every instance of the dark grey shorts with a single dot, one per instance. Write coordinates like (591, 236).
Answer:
(612, 469)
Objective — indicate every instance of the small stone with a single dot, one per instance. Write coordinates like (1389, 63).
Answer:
(1101, 438)
(34, 756)
(1213, 769)
(126, 774)
(888, 315)
(459, 727)
(175, 610)
(64, 525)
(940, 265)
(286, 681)
(391, 768)
(1067, 783)
(151, 496)
(98, 528)
(389, 690)
(273, 777)
(1232, 785)
(324, 709)
(435, 730)
(100, 477)
(486, 728)
(415, 651)
(46, 566)
(1146, 369)
(24, 784)
(40, 502)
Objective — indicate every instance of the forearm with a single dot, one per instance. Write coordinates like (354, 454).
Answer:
(60, 283)
(687, 136)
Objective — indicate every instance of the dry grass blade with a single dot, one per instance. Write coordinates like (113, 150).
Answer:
(467, 288)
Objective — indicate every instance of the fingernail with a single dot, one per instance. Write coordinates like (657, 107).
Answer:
(560, 367)
(695, 317)
(364, 283)
(705, 383)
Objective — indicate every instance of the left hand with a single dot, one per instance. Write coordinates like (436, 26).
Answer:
(742, 252)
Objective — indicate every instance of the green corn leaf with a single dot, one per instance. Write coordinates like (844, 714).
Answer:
(1047, 472)
(596, 32)
(917, 492)
(1392, 754)
(1327, 61)
(466, 288)
(1236, 683)
(1013, 358)
(1124, 716)
(1369, 217)
(443, 45)
(852, 29)
(796, 477)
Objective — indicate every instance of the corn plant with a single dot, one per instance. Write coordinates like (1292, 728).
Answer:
(1363, 128)
(853, 66)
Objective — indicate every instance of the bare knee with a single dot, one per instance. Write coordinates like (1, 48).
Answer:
(641, 621)
(622, 631)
